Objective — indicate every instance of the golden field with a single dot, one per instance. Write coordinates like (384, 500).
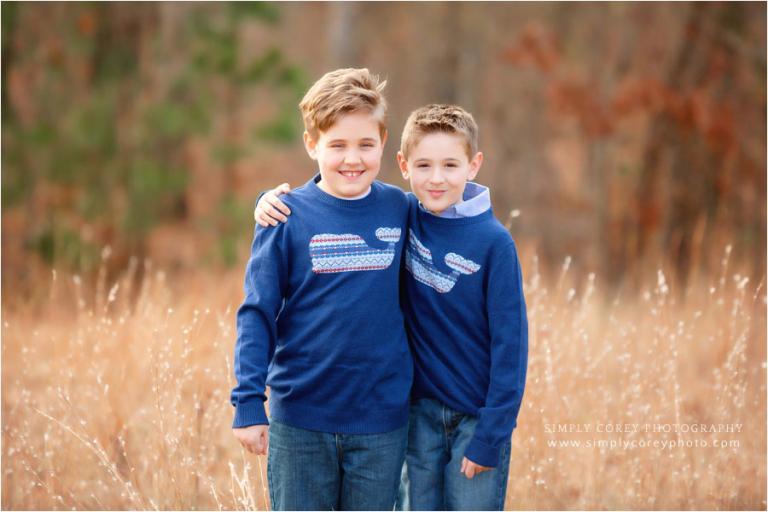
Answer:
(115, 394)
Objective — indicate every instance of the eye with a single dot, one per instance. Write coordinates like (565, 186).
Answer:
(422, 166)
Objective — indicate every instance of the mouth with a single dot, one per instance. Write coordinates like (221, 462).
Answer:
(351, 175)
(436, 194)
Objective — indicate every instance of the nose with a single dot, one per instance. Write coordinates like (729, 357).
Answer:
(436, 176)
(352, 157)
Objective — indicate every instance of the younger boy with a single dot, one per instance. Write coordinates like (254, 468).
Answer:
(321, 322)
(466, 320)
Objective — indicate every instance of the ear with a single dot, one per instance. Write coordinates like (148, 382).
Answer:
(474, 165)
(402, 163)
(310, 145)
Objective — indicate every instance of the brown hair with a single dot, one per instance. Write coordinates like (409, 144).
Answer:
(439, 119)
(340, 92)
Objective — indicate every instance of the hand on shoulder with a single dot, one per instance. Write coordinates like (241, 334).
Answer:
(270, 209)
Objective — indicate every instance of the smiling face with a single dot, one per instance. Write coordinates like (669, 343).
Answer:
(438, 169)
(348, 154)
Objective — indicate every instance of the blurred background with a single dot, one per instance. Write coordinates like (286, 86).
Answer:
(628, 136)
(625, 148)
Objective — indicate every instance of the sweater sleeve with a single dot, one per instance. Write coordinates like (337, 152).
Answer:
(508, 326)
(265, 282)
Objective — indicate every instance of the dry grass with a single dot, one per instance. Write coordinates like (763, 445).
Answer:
(117, 398)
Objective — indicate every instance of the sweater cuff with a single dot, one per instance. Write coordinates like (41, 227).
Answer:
(250, 413)
(483, 454)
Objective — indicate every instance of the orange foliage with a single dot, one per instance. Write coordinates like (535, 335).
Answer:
(599, 115)
(86, 24)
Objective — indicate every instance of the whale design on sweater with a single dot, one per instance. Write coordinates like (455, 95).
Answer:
(332, 253)
(418, 261)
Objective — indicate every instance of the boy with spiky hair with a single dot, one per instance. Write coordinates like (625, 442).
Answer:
(465, 314)
(466, 320)
(321, 322)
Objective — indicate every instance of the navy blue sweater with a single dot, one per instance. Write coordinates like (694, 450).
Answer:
(467, 323)
(321, 322)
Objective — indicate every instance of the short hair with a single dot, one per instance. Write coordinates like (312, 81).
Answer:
(439, 118)
(340, 92)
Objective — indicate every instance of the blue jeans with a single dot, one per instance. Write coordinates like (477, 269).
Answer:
(310, 470)
(432, 479)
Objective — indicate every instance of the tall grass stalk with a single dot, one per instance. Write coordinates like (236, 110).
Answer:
(115, 395)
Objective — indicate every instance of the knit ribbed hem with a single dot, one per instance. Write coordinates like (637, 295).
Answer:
(428, 218)
(483, 454)
(344, 421)
(325, 197)
(250, 413)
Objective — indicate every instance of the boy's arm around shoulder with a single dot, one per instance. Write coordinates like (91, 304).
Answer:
(508, 327)
(269, 208)
(265, 284)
